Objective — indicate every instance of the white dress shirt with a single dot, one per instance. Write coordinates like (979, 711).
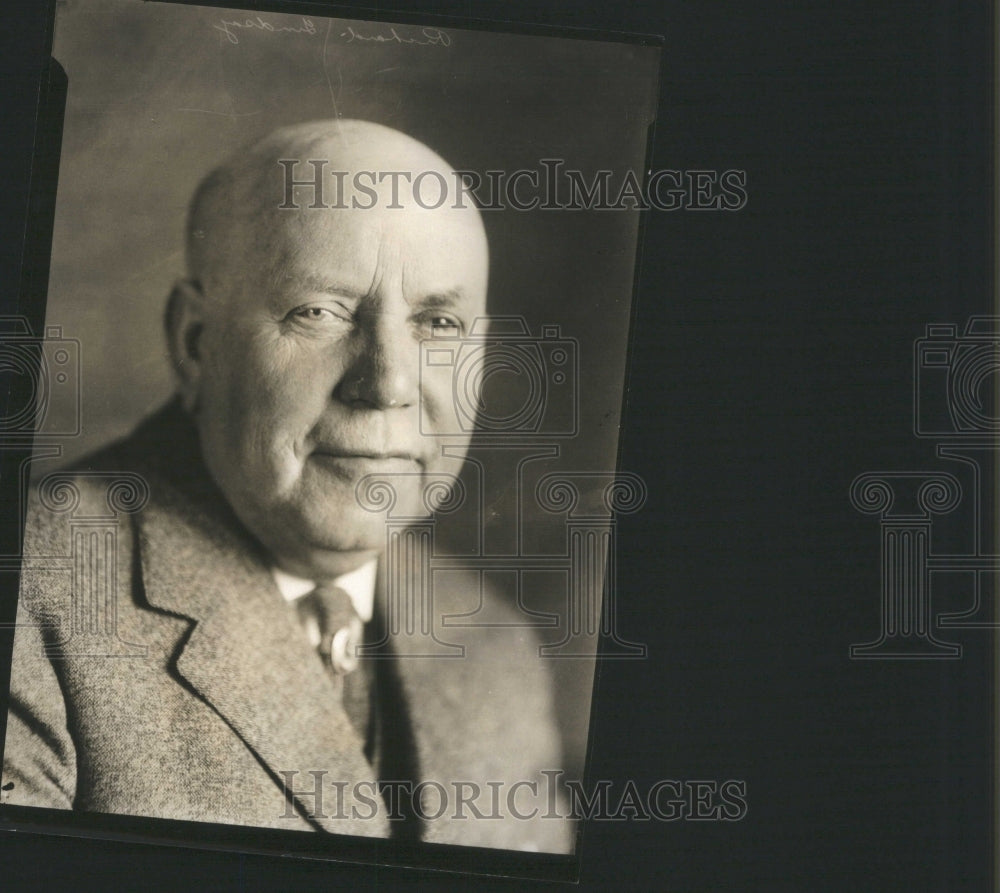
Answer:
(359, 584)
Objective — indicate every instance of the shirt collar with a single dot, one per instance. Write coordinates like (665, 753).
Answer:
(359, 584)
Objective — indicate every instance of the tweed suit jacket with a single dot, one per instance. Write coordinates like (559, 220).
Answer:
(209, 693)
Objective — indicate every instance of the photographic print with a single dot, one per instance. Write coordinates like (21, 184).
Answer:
(320, 513)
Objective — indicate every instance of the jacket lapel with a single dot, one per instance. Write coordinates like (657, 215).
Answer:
(248, 657)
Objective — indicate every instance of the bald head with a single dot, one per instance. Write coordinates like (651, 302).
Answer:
(304, 179)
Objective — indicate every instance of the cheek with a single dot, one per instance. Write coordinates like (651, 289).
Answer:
(439, 399)
(442, 424)
(271, 361)
(267, 393)
(278, 378)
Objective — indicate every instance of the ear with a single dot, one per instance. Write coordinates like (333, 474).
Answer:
(185, 321)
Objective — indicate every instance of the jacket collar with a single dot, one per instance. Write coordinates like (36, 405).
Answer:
(247, 656)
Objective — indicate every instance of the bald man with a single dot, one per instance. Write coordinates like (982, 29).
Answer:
(253, 676)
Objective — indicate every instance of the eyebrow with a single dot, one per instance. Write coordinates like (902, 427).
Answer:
(451, 297)
(317, 283)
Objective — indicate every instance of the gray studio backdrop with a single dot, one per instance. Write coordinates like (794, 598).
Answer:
(160, 93)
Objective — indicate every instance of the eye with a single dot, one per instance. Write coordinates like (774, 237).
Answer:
(312, 313)
(319, 315)
(443, 326)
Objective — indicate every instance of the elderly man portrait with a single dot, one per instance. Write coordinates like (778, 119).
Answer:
(269, 689)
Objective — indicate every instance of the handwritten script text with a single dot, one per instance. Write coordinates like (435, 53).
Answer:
(260, 24)
(426, 38)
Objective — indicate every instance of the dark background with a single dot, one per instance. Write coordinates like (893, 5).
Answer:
(772, 363)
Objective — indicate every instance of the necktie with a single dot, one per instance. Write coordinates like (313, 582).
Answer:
(337, 630)
(374, 702)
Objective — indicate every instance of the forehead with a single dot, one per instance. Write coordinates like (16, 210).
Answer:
(420, 250)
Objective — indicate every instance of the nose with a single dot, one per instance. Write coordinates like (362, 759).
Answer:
(384, 373)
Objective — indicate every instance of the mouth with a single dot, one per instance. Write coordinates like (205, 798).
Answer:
(370, 455)
(354, 465)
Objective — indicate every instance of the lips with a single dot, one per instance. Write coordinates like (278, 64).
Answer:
(353, 466)
(370, 455)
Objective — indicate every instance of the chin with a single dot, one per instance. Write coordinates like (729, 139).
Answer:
(324, 527)
(348, 529)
